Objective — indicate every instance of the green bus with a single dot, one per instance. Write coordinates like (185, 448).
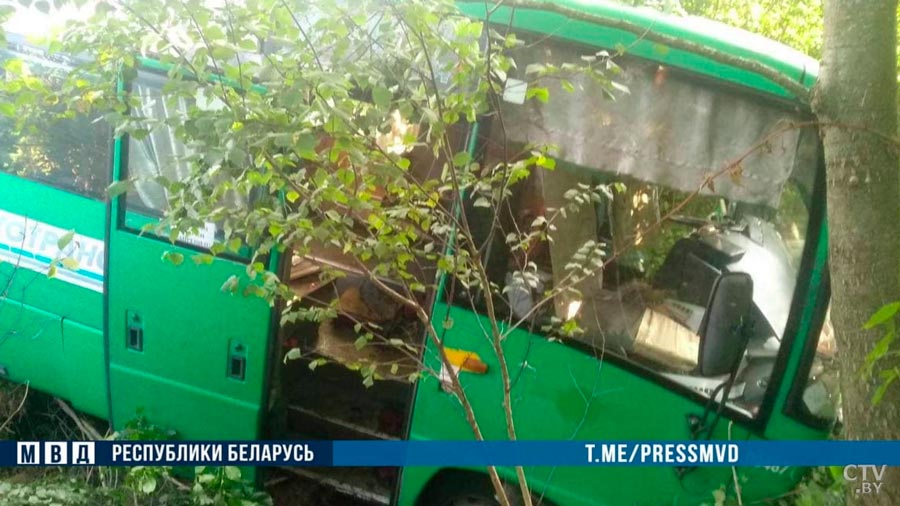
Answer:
(119, 333)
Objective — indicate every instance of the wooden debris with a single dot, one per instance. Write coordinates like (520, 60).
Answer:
(337, 340)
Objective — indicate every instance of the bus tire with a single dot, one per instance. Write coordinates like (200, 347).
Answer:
(466, 488)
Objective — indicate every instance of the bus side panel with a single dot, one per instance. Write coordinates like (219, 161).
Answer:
(31, 348)
(42, 208)
(50, 328)
(561, 393)
(85, 368)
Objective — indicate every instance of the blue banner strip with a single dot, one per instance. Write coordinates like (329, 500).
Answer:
(611, 453)
(450, 453)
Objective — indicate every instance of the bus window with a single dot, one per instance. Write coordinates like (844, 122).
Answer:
(816, 393)
(665, 234)
(69, 153)
(159, 157)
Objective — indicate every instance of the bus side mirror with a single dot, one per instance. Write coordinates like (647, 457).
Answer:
(722, 336)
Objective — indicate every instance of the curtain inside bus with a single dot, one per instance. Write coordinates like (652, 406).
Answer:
(667, 129)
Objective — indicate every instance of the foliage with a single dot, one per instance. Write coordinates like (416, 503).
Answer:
(144, 486)
(223, 486)
(212, 486)
(140, 429)
(141, 485)
(797, 24)
(54, 146)
(12, 403)
(50, 492)
(823, 487)
(884, 353)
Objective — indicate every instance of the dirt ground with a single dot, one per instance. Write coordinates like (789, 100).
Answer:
(294, 492)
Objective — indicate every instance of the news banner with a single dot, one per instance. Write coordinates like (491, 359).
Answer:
(448, 453)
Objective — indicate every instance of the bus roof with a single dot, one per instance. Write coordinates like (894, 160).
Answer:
(576, 20)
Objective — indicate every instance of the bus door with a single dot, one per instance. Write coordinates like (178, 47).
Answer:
(186, 354)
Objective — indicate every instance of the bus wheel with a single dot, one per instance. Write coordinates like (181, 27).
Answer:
(471, 500)
(468, 489)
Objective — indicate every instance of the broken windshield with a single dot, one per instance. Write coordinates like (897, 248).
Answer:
(688, 181)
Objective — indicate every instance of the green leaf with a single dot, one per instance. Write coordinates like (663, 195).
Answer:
(173, 257)
(148, 484)
(461, 159)
(70, 263)
(14, 66)
(546, 162)
(230, 284)
(482, 202)
(381, 96)
(292, 196)
(202, 259)
(882, 315)
(305, 146)
(65, 239)
(222, 53)
(51, 271)
(882, 388)
(620, 87)
(542, 94)
(375, 221)
(118, 188)
(878, 352)
(8, 109)
(234, 245)
(233, 473)
(535, 68)
(292, 354)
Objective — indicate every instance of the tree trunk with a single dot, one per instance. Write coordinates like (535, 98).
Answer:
(856, 101)
(634, 211)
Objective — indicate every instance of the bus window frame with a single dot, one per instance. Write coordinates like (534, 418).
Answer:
(803, 291)
(794, 407)
(244, 256)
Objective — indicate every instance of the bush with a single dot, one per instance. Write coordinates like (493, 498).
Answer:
(12, 406)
